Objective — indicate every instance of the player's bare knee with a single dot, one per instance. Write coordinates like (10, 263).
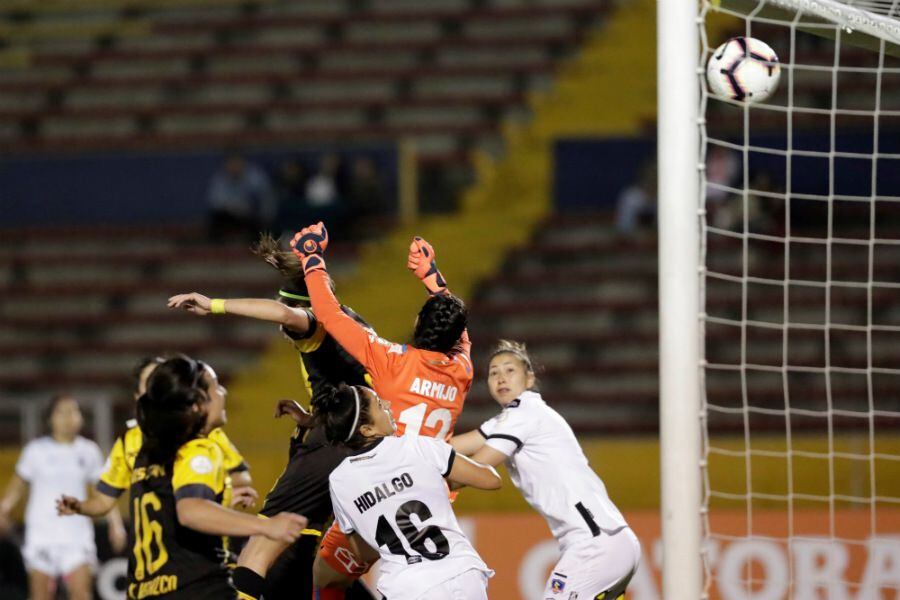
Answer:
(39, 585)
(80, 593)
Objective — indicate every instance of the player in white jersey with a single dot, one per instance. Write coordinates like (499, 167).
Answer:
(390, 499)
(599, 552)
(60, 463)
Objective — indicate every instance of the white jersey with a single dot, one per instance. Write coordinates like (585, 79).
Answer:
(549, 467)
(52, 469)
(394, 496)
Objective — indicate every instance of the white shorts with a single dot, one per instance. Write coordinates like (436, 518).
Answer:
(587, 569)
(469, 585)
(59, 559)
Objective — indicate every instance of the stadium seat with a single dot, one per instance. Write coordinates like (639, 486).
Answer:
(584, 299)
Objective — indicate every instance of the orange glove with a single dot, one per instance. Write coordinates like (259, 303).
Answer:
(309, 245)
(421, 261)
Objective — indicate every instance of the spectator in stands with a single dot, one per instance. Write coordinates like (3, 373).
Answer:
(762, 210)
(322, 189)
(636, 205)
(367, 197)
(324, 201)
(767, 213)
(723, 167)
(290, 190)
(241, 200)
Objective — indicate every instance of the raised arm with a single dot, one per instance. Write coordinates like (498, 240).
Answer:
(422, 261)
(262, 309)
(362, 344)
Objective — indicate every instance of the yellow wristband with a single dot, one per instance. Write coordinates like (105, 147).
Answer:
(217, 306)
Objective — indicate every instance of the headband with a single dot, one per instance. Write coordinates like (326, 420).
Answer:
(285, 294)
(356, 416)
(515, 352)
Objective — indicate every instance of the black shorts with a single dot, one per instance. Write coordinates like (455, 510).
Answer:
(290, 577)
(303, 486)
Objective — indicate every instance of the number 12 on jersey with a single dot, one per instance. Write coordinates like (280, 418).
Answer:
(413, 417)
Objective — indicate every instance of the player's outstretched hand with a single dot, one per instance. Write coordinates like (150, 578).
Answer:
(292, 408)
(193, 303)
(284, 527)
(67, 505)
(421, 261)
(309, 245)
(243, 497)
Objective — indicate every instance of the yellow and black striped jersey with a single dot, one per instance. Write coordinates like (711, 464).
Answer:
(324, 363)
(303, 486)
(167, 559)
(116, 476)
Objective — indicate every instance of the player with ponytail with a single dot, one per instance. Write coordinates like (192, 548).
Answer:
(434, 560)
(271, 568)
(176, 491)
(426, 381)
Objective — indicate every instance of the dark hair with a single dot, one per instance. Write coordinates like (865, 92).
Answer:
(54, 402)
(336, 412)
(143, 364)
(442, 320)
(284, 261)
(166, 411)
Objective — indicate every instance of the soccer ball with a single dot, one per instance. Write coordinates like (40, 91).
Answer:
(743, 69)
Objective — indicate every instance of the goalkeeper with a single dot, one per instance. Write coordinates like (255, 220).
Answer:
(426, 382)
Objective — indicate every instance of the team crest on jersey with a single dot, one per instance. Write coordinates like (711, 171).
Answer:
(201, 465)
(558, 584)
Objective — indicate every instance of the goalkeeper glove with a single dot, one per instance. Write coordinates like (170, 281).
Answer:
(421, 261)
(309, 245)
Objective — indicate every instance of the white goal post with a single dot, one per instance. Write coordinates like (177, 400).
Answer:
(686, 235)
(678, 139)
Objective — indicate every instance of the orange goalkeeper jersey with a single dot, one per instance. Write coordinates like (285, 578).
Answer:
(426, 389)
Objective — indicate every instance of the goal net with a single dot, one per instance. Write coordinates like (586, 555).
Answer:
(800, 295)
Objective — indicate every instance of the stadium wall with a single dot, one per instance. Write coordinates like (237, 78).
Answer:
(142, 187)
